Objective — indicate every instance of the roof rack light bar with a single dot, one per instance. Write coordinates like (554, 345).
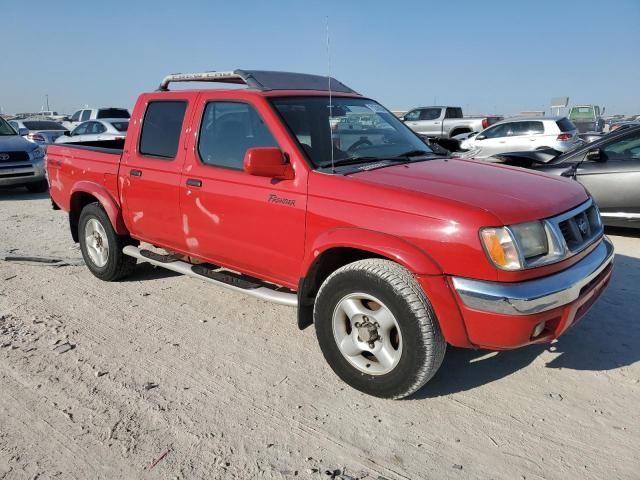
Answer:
(222, 77)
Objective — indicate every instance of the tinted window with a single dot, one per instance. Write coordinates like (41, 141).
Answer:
(120, 126)
(430, 113)
(565, 125)
(497, 131)
(95, 128)
(161, 128)
(76, 116)
(85, 115)
(42, 125)
(5, 128)
(453, 113)
(113, 113)
(228, 130)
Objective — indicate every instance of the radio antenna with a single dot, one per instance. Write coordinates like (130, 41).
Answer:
(333, 168)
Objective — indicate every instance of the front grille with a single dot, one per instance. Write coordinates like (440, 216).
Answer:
(14, 156)
(581, 228)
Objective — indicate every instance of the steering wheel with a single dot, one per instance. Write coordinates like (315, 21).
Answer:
(363, 142)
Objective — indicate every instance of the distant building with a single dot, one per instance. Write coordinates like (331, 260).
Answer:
(533, 113)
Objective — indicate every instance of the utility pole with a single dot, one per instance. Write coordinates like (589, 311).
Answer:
(47, 97)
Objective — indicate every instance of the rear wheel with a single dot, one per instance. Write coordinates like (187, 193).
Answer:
(101, 246)
(377, 329)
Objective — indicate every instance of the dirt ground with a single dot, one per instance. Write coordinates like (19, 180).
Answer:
(163, 377)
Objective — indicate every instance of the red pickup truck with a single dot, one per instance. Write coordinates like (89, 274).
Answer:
(391, 250)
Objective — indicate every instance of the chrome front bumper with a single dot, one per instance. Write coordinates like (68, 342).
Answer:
(539, 295)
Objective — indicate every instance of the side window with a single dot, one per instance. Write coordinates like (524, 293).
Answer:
(627, 148)
(430, 113)
(99, 128)
(228, 130)
(85, 115)
(14, 125)
(80, 129)
(161, 128)
(413, 115)
(76, 116)
(497, 131)
(453, 113)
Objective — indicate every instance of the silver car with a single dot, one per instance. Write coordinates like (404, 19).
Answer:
(42, 132)
(95, 130)
(520, 135)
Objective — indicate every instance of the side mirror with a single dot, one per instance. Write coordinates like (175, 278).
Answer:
(23, 132)
(596, 156)
(480, 137)
(267, 162)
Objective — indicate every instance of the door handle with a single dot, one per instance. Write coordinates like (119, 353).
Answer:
(192, 182)
(135, 173)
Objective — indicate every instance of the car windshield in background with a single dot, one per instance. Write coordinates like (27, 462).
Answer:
(120, 126)
(5, 128)
(113, 113)
(360, 129)
(565, 125)
(42, 125)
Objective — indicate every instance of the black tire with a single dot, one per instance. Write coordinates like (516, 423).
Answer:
(118, 265)
(38, 187)
(423, 344)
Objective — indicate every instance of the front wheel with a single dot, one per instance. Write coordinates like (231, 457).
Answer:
(377, 330)
(101, 246)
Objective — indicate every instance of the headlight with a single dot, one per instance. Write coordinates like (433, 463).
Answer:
(37, 154)
(531, 238)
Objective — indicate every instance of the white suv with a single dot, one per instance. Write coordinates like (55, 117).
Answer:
(522, 134)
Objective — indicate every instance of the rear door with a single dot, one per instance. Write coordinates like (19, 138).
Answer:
(247, 223)
(615, 183)
(151, 168)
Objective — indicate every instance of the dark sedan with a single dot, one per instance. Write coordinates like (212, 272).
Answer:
(609, 168)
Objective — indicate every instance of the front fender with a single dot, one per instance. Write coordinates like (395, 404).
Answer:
(110, 205)
(405, 253)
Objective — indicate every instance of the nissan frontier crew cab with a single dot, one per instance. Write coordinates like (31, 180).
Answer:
(389, 249)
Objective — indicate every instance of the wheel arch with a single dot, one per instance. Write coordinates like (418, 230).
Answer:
(340, 247)
(85, 193)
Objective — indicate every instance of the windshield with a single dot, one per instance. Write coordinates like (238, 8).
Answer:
(5, 128)
(360, 128)
(581, 113)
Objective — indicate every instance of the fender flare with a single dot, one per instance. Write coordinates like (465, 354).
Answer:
(110, 205)
(395, 248)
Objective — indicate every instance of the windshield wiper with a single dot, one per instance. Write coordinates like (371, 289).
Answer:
(414, 153)
(356, 160)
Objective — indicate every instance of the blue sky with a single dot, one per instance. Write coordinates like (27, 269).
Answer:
(486, 56)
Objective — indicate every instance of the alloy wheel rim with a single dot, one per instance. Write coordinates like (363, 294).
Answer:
(96, 242)
(367, 334)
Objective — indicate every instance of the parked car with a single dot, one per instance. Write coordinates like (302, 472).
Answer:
(390, 250)
(587, 118)
(609, 169)
(95, 130)
(624, 124)
(95, 114)
(445, 121)
(521, 134)
(21, 161)
(42, 132)
(50, 114)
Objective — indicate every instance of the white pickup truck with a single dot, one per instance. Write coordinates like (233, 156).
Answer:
(445, 121)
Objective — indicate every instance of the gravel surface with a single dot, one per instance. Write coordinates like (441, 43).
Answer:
(163, 377)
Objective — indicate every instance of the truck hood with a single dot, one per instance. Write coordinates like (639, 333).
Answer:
(511, 194)
(16, 143)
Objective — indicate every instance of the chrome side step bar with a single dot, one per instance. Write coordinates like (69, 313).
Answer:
(263, 292)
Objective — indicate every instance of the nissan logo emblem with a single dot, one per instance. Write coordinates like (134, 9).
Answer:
(582, 225)
(4, 156)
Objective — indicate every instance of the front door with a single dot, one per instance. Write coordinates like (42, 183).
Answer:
(150, 170)
(251, 224)
(615, 182)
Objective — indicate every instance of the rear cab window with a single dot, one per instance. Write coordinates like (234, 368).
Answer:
(161, 128)
(113, 113)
